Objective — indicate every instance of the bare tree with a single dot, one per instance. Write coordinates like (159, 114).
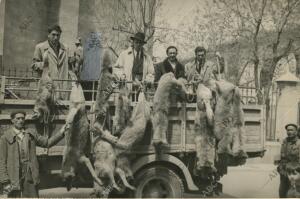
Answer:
(119, 19)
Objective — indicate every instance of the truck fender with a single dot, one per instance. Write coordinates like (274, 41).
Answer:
(166, 158)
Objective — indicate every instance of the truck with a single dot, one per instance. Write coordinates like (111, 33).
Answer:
(170, 174)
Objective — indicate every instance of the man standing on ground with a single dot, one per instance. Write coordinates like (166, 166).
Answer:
(19, 169)
(290, 152)
(170, 64)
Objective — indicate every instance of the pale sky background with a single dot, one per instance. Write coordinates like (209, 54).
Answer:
(174, 12)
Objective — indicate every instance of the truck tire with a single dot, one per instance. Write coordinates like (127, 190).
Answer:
(158, 182)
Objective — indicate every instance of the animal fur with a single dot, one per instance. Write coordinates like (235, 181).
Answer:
(112, 161)
(135, 128)
(106, 86)
(105, 163)
(106, 166)
(45, 101)
(293, 172)
(123, 111)
(168, 89)
(205, 139)
(45, 106)
(228, 123)
(78, 140)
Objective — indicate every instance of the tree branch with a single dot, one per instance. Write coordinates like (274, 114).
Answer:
(242, 72)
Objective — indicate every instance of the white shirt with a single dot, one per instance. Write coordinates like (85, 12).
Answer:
(20, 133)
(173, 64)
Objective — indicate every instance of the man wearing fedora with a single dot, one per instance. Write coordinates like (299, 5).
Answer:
(19, 168)
(134, 63)
(290, 152)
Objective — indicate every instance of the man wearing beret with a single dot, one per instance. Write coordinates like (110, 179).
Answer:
(290, 153)
(19, 169)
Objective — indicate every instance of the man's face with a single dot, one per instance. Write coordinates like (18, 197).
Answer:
(54, 37)
(137, 44)
(200, 56)
(172, 53)
(291, 131)
(19, 121)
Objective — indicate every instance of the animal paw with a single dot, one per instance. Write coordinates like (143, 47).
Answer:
(36, 115)
(131, 187)
(117, 187)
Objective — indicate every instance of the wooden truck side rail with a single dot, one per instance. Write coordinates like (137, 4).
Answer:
(181, 120)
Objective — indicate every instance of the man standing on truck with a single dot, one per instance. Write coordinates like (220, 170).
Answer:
(170, 64)
(134, 63)
(203, 70)
(19, 169)
(290, 152)
(53, 56)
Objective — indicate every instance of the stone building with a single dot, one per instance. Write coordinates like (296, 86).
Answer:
(24, 23)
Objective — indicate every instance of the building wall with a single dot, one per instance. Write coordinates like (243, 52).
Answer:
(24, 26)
(2, 11)
(26, 23)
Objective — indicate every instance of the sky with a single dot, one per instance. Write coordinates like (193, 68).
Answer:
(174, 12)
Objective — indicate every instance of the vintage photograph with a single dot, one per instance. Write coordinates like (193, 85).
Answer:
(150, 98)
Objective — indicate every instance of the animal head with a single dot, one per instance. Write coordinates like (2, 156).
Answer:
(293, 171)
(204, 102)
(204, 96)
(179, 88)
(225, 90)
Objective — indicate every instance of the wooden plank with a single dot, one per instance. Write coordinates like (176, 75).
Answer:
(2, 94)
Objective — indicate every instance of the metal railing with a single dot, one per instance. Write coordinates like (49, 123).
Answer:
(26, 88)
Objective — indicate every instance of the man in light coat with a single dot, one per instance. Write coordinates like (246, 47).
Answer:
(203, 70)
(51, 56)
(134, 64)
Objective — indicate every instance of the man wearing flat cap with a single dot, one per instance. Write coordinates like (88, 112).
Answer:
(19, 169)
(290, 152)
(134, 63)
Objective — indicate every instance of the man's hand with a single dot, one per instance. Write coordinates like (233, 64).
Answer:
(7, 188)
(149, 78)
(65, 128)
(137, 83)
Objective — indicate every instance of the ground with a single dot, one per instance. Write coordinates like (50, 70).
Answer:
(250, 180)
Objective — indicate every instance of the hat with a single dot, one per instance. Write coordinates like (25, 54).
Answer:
(12, 115)
(78, 40)
(293, 166)
(291, 124)
(139, 36)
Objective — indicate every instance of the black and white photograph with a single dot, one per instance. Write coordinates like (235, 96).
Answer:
(150, 98)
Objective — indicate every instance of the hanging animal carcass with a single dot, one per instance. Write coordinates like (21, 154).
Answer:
(229, 120)
(44, 109)
(169, 88)
(204, 135)
(78, 140)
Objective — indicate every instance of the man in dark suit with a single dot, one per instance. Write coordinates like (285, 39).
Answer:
(19, 168)
(170, 64)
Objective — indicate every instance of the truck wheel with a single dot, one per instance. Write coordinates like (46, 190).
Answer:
(158, 182)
